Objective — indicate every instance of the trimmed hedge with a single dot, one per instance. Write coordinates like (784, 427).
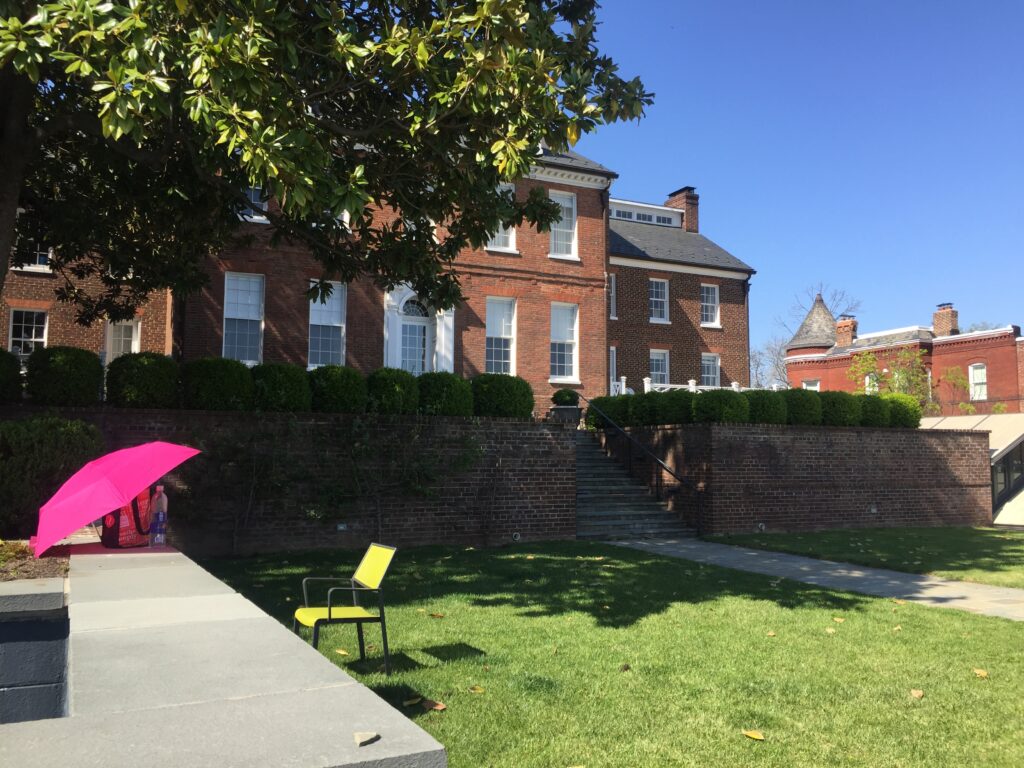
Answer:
(64, 376)
(723, 406)
(445, 394)
(10, 377)
(216, 384)
(676, 406)
(143, 380)
(840, 409)
(566, 397)
(766, 407)
(803, 407)
(337, 389)
(36, 456)
(875, 411)
(904, 410)
(281, 387)
(497, 394)
(615, 408)
(644, 409)
(392, 390)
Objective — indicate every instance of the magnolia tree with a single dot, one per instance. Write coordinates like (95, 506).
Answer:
(130, 130)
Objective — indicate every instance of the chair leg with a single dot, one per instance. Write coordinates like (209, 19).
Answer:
(384, 642)
(316, 634)
(295, 626)
(362, 643)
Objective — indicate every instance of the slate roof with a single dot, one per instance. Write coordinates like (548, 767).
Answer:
(901, 336)
(817, 330)
(655, 243)
(574, 161)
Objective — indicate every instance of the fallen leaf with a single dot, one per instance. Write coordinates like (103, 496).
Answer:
(437, 706)
(437, 615)
(625, 668)
(916, 693)
(363, 738)
(897, 628)
(475, 689)
(421, 610)
(983, 674)
(838, 620)
(771, 634)
(487, 667)
(341, 651)
(371, 647)
(830, 631)
(412, 702)
(898, 601)
(605, 607)
(755, 735)
(529, 557)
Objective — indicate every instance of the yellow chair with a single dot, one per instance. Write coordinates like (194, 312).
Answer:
(367, 578)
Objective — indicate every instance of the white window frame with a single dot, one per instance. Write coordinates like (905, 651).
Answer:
(136, 338)
(340, 291)
(573, 255)
(512, 331)
(511, 231)
(666, 320)
(811, 385)
(664, 221)
(262, 318)
(978, 389)
(871, 384)
(623, 214)
(575, 377)
(645, 218)
(658, 353)
(717, 323)
(254, 206)
(10, 330)
(613, 369)
(613, 296)
(45, 268)
(705, 357)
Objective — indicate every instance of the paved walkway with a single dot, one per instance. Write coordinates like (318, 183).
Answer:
(926, 590)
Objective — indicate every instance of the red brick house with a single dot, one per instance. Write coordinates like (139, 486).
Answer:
(990, 363)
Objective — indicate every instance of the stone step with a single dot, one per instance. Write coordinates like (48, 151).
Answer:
(633, 513)
(682, 533)
(624, 510)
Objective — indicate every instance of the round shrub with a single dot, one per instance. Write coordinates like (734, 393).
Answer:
(840, 409)
(904, 410)
(875, 411)
(566, 397)
(722, 406)
(337, 389)
(10, 377)
(675, 407)
(142, 380)
(766, 406)
(216, 384)
(445, 394)
(497, 394)
(392, 390)
(803, 407)
(603, 409)
(281, 387)
(64, 376)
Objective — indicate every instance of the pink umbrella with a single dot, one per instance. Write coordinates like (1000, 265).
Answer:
(103, 485)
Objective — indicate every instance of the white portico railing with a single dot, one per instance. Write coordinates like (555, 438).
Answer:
(692, 386)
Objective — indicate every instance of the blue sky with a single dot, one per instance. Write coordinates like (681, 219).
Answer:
(876, 146)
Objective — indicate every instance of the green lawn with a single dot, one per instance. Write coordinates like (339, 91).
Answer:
(592, 655)
(985, 555)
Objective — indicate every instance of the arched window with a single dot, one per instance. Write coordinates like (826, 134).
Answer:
(416, 322)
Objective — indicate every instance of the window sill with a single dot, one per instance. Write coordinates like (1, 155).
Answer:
(503, 251)
(563, 380)
(254, 219)
(561, 257)
(38, 269)
(613, 317)
(659, 321)
(715, 326)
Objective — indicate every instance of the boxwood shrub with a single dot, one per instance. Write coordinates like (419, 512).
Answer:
(840, 409)
(497, 394)
(10, 377)
(142, 380)
(36, 456)
(337, 389)
(675, 407)
(392, 390)
(803, 407)
(904, 410)
(874, 411)
(644, 408)
(216, 384)
(64, 376)
(445, 394)
(615, 408)
(566, 397)
(766, 407)
(721, 406)
(281, 387)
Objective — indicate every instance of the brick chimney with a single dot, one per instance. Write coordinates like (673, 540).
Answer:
(846, 330)
(686, 199)
(945, 321)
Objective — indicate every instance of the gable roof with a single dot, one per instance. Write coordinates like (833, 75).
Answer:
(674, 244)
(817, 330)
(573, 161)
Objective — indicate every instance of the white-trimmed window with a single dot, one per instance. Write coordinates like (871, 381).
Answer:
(646, 218)
(813, 385)
(659, 366)
(28, 332)
(505, 238)
(564, 350)
(613, 297)
(710, 313)
(657, 300)
(710, 370)
(613, 371)
(621, 213)
(39, 256)
(327, 327)
(243, 317)
(256, 210)
(416, 322)
(871, 384)
(665, 220)
(978, 374)
(499, 355)
(123, 338)
(563, 231)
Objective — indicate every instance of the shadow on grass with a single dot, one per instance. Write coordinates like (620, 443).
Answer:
(374, 662)
(617, 586)
(454, 652)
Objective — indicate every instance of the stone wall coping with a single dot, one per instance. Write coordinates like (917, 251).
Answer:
(30, 596)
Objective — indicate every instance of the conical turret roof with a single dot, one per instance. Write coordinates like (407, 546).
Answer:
(817, 330)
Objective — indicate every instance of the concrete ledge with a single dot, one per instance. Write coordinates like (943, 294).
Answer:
(28, 595)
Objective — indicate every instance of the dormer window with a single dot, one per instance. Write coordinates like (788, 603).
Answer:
(666, 220)
(623, 214)
(644, 217)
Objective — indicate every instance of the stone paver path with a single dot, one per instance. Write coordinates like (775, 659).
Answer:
(927, 590)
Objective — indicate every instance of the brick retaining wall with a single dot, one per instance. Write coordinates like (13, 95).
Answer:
(740, 476)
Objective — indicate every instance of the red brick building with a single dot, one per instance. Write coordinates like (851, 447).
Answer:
(987, 366)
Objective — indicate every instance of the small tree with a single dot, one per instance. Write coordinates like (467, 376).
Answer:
(903, 372)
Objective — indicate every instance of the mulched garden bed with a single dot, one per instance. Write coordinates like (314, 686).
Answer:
(17, 562)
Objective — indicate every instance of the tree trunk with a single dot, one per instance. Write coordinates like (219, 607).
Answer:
(16, 93)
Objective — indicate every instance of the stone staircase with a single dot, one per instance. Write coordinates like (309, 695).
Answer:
(612, 505)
